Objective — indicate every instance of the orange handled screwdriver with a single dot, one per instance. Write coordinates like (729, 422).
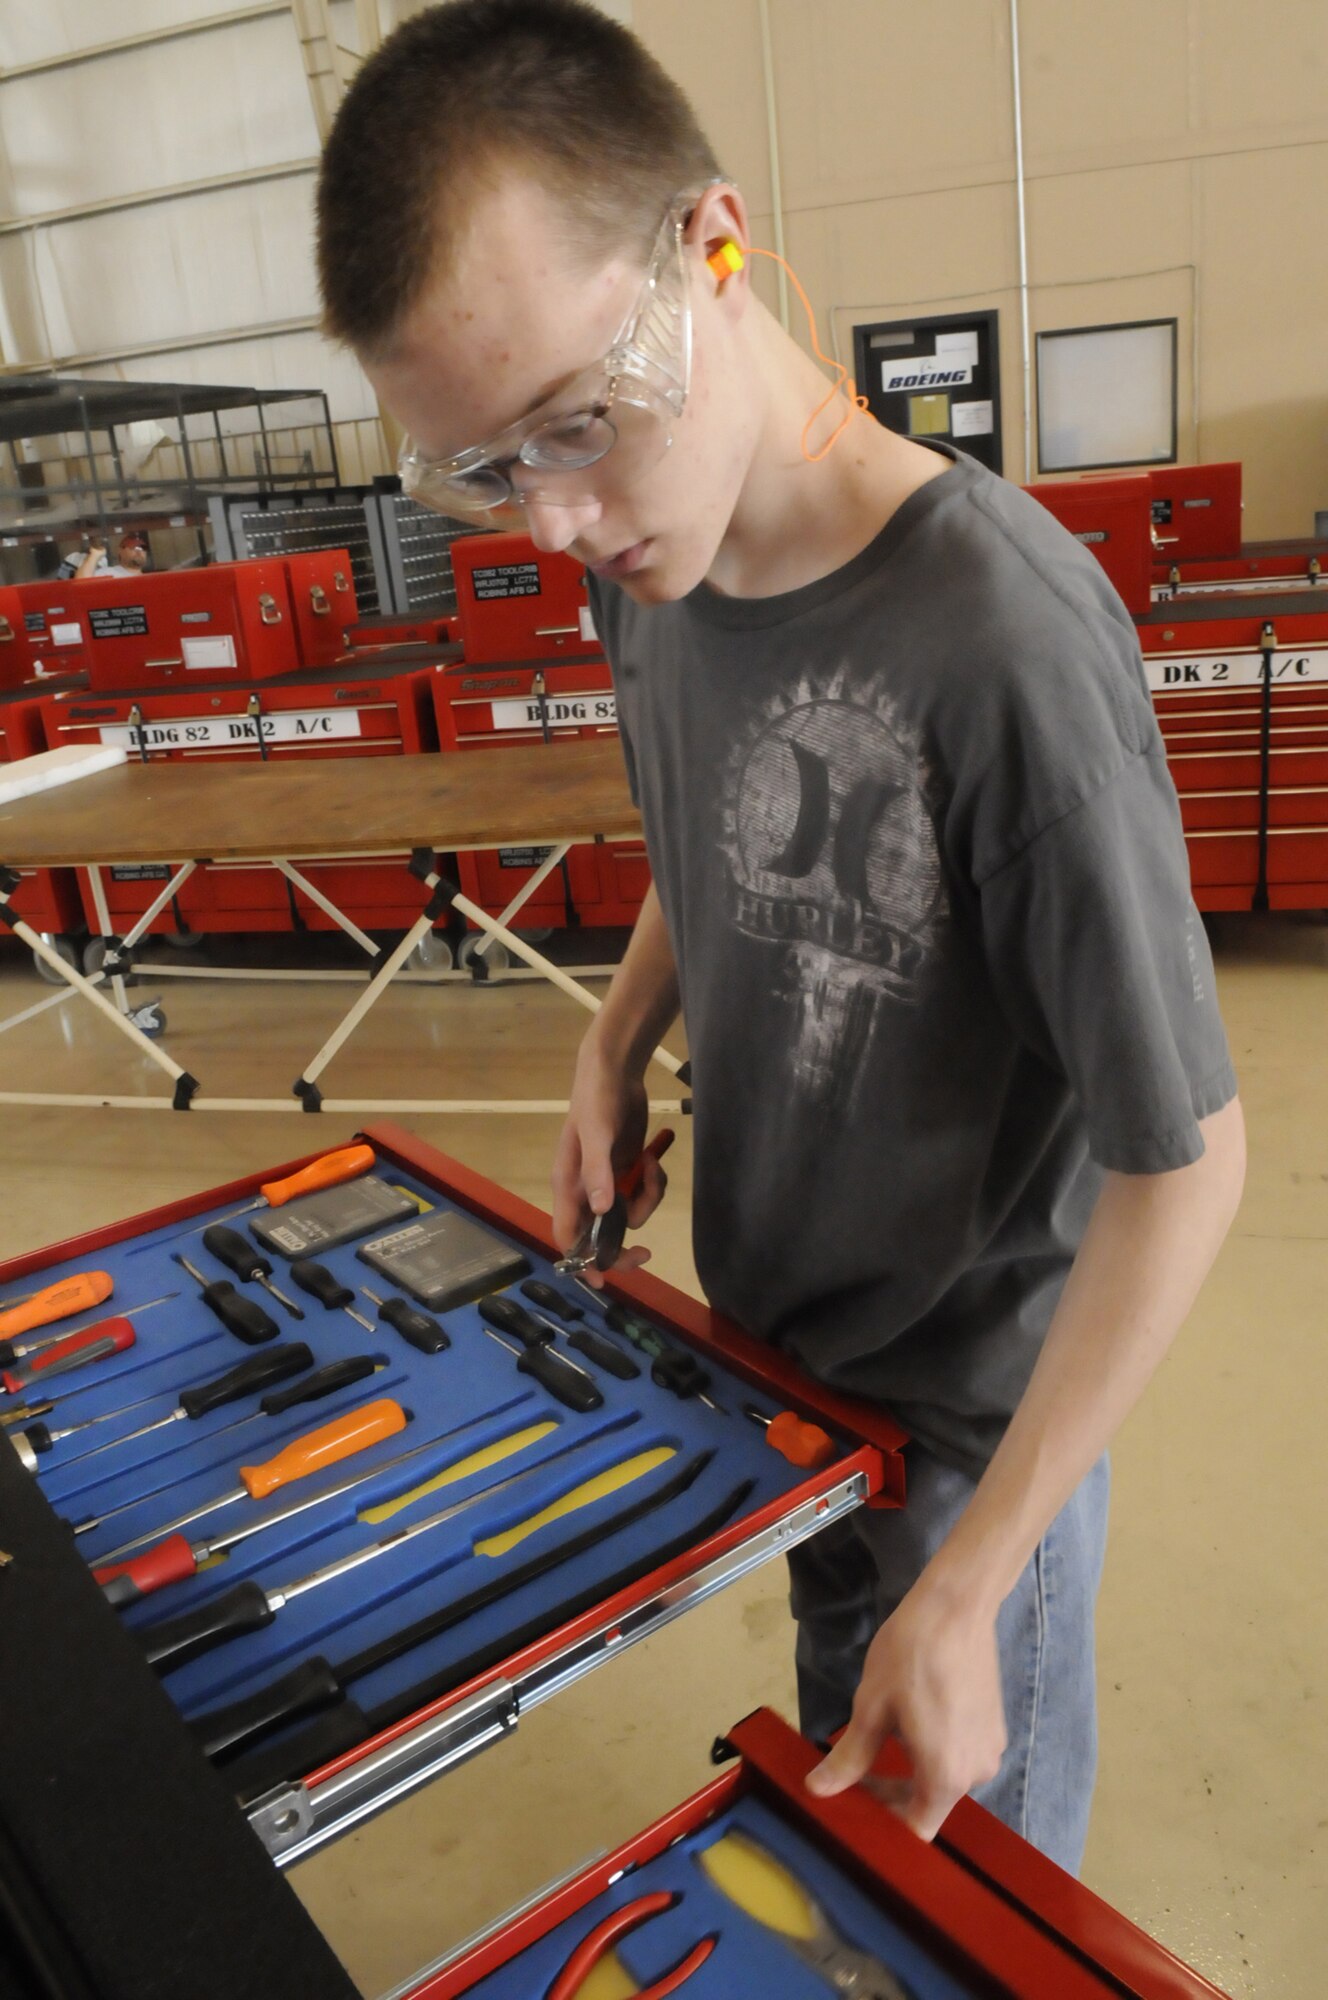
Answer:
(329, 1170)
(59, 1301)
(15, 1350)
(793, 1438)
(356, 1431)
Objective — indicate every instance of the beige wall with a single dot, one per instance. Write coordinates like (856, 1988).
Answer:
(1176, 162)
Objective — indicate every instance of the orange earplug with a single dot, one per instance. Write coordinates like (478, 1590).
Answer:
(725, 261)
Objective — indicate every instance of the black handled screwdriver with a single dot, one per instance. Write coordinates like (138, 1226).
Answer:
(533, 1330)
(245, 1318)
(321, 1284)
(418, 1329)
(260, 1371)
(238, 1254)
(595, 1347)
(562, 1378)
(551, 1300)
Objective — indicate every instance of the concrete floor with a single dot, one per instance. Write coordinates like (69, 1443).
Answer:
(1210, 1827)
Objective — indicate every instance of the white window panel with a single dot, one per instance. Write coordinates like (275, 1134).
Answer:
(1106, 396)
(156, 116)
(32, 32)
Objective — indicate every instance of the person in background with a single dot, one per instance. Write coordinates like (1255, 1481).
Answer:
(132, 558)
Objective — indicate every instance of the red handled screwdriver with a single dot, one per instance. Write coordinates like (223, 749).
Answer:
(76, 1350)
(12, 1351)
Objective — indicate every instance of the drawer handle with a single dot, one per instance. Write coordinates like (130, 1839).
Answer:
(176, 660)
(554, 631)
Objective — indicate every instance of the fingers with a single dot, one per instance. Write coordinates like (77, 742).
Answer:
(568, 1196)
(855, 1753)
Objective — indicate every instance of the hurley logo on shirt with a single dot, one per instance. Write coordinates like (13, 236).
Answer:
(833, 856)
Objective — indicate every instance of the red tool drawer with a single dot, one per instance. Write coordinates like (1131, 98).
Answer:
(357, 711)
(517, 602)
(549, 701)
(1196, 511)
(16, 661)
(47, 898)
(1112, 518)
(233, 621)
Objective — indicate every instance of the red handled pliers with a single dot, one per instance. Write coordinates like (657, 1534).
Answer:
(596, 1943)
(602, 1242)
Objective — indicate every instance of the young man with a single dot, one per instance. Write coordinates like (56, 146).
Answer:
(966, 1134)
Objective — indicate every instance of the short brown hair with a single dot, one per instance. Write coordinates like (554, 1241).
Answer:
(470, 86)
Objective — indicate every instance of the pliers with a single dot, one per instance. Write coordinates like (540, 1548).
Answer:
(848, 1972)
(601, 1244)
(605, 1935)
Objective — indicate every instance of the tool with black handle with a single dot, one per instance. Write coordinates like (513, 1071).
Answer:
(673, 1368)
(173, 1642)
(419, 1330)
(247, 1261)
(533, 1330)
(550, 1300)
(323, 1285)
(563, 1379)
(317, 1684)
(243, 1317)
(174, 1558)
(259, 1372)
(596, 1348)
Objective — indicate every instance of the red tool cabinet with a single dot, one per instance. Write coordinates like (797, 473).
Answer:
(517, 602)
(525, 702)
(103, 1788)
(232, 621)
(1196, 512)
(16, 662)
(1240, 686)
(373, 709)
(47, 898)
(1113, 518)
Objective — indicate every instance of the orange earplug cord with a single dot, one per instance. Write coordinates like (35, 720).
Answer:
(729, 259)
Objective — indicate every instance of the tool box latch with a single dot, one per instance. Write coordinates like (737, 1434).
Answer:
(318, 600)
(267, 608)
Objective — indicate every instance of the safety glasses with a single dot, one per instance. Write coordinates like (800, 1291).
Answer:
(600, 432)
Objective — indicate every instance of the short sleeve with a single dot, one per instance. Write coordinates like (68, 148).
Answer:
(1099, 960)
(600, 614)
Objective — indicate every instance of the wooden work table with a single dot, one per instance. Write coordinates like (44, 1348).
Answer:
(220, 811)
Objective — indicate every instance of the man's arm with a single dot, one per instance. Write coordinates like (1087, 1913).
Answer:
(606, 1123)
(931, 1674)
(88, 567)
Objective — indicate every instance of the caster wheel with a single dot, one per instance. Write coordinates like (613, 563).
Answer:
(63, 949)
(433, 953)
(149, 1020)
(185, 940)
(496, 958)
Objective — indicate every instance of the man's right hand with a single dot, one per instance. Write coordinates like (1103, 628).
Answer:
(603, 1135)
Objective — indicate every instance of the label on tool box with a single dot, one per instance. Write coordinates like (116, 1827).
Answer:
(1193, 672)
(205, 732)
(507, 580)
(218, 651)
(558, 711)
(119, 621)
(142, 871)
(35, 620)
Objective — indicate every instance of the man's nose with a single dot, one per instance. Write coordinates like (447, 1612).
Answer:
(554, 528)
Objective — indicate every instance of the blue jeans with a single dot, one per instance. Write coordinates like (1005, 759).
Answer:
(847, 1580)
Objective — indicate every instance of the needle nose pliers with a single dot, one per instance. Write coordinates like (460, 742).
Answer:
(599, 1942)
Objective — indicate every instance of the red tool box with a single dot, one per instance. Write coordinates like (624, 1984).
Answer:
(550, 701)
(47, 898)
(103, 1768)
(1196, 512)
(232, 621)
(369, 709)
(1113, 518)
(1240, 685)
(517, 602)
(16, 661)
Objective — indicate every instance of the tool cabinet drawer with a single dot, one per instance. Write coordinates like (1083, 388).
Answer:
(753, 1887)
(458, 1561)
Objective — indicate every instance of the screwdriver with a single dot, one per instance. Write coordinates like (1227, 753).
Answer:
(10, 1352)
(76, 1350)
(245, 1318)
(241, 1256)
(321, 1284)
(329, 1170)
(799, 1442)
(260, 1371)
(561, 1377)
(355, 1431)
(58, 1301)
(419, 1329)
(247, 1607)
(671, 1367)
(174, 1558)
(529, 1329)
(595, 1348)
(550, 1299)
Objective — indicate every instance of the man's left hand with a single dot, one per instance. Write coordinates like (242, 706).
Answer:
(931, 1678)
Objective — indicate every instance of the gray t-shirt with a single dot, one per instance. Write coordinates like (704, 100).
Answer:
(921, 862)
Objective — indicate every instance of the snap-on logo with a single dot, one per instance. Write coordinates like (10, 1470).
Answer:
(1093, 535)
(492, 686)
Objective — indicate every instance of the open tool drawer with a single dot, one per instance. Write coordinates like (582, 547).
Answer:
(588, 1529)
(753, 1887)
